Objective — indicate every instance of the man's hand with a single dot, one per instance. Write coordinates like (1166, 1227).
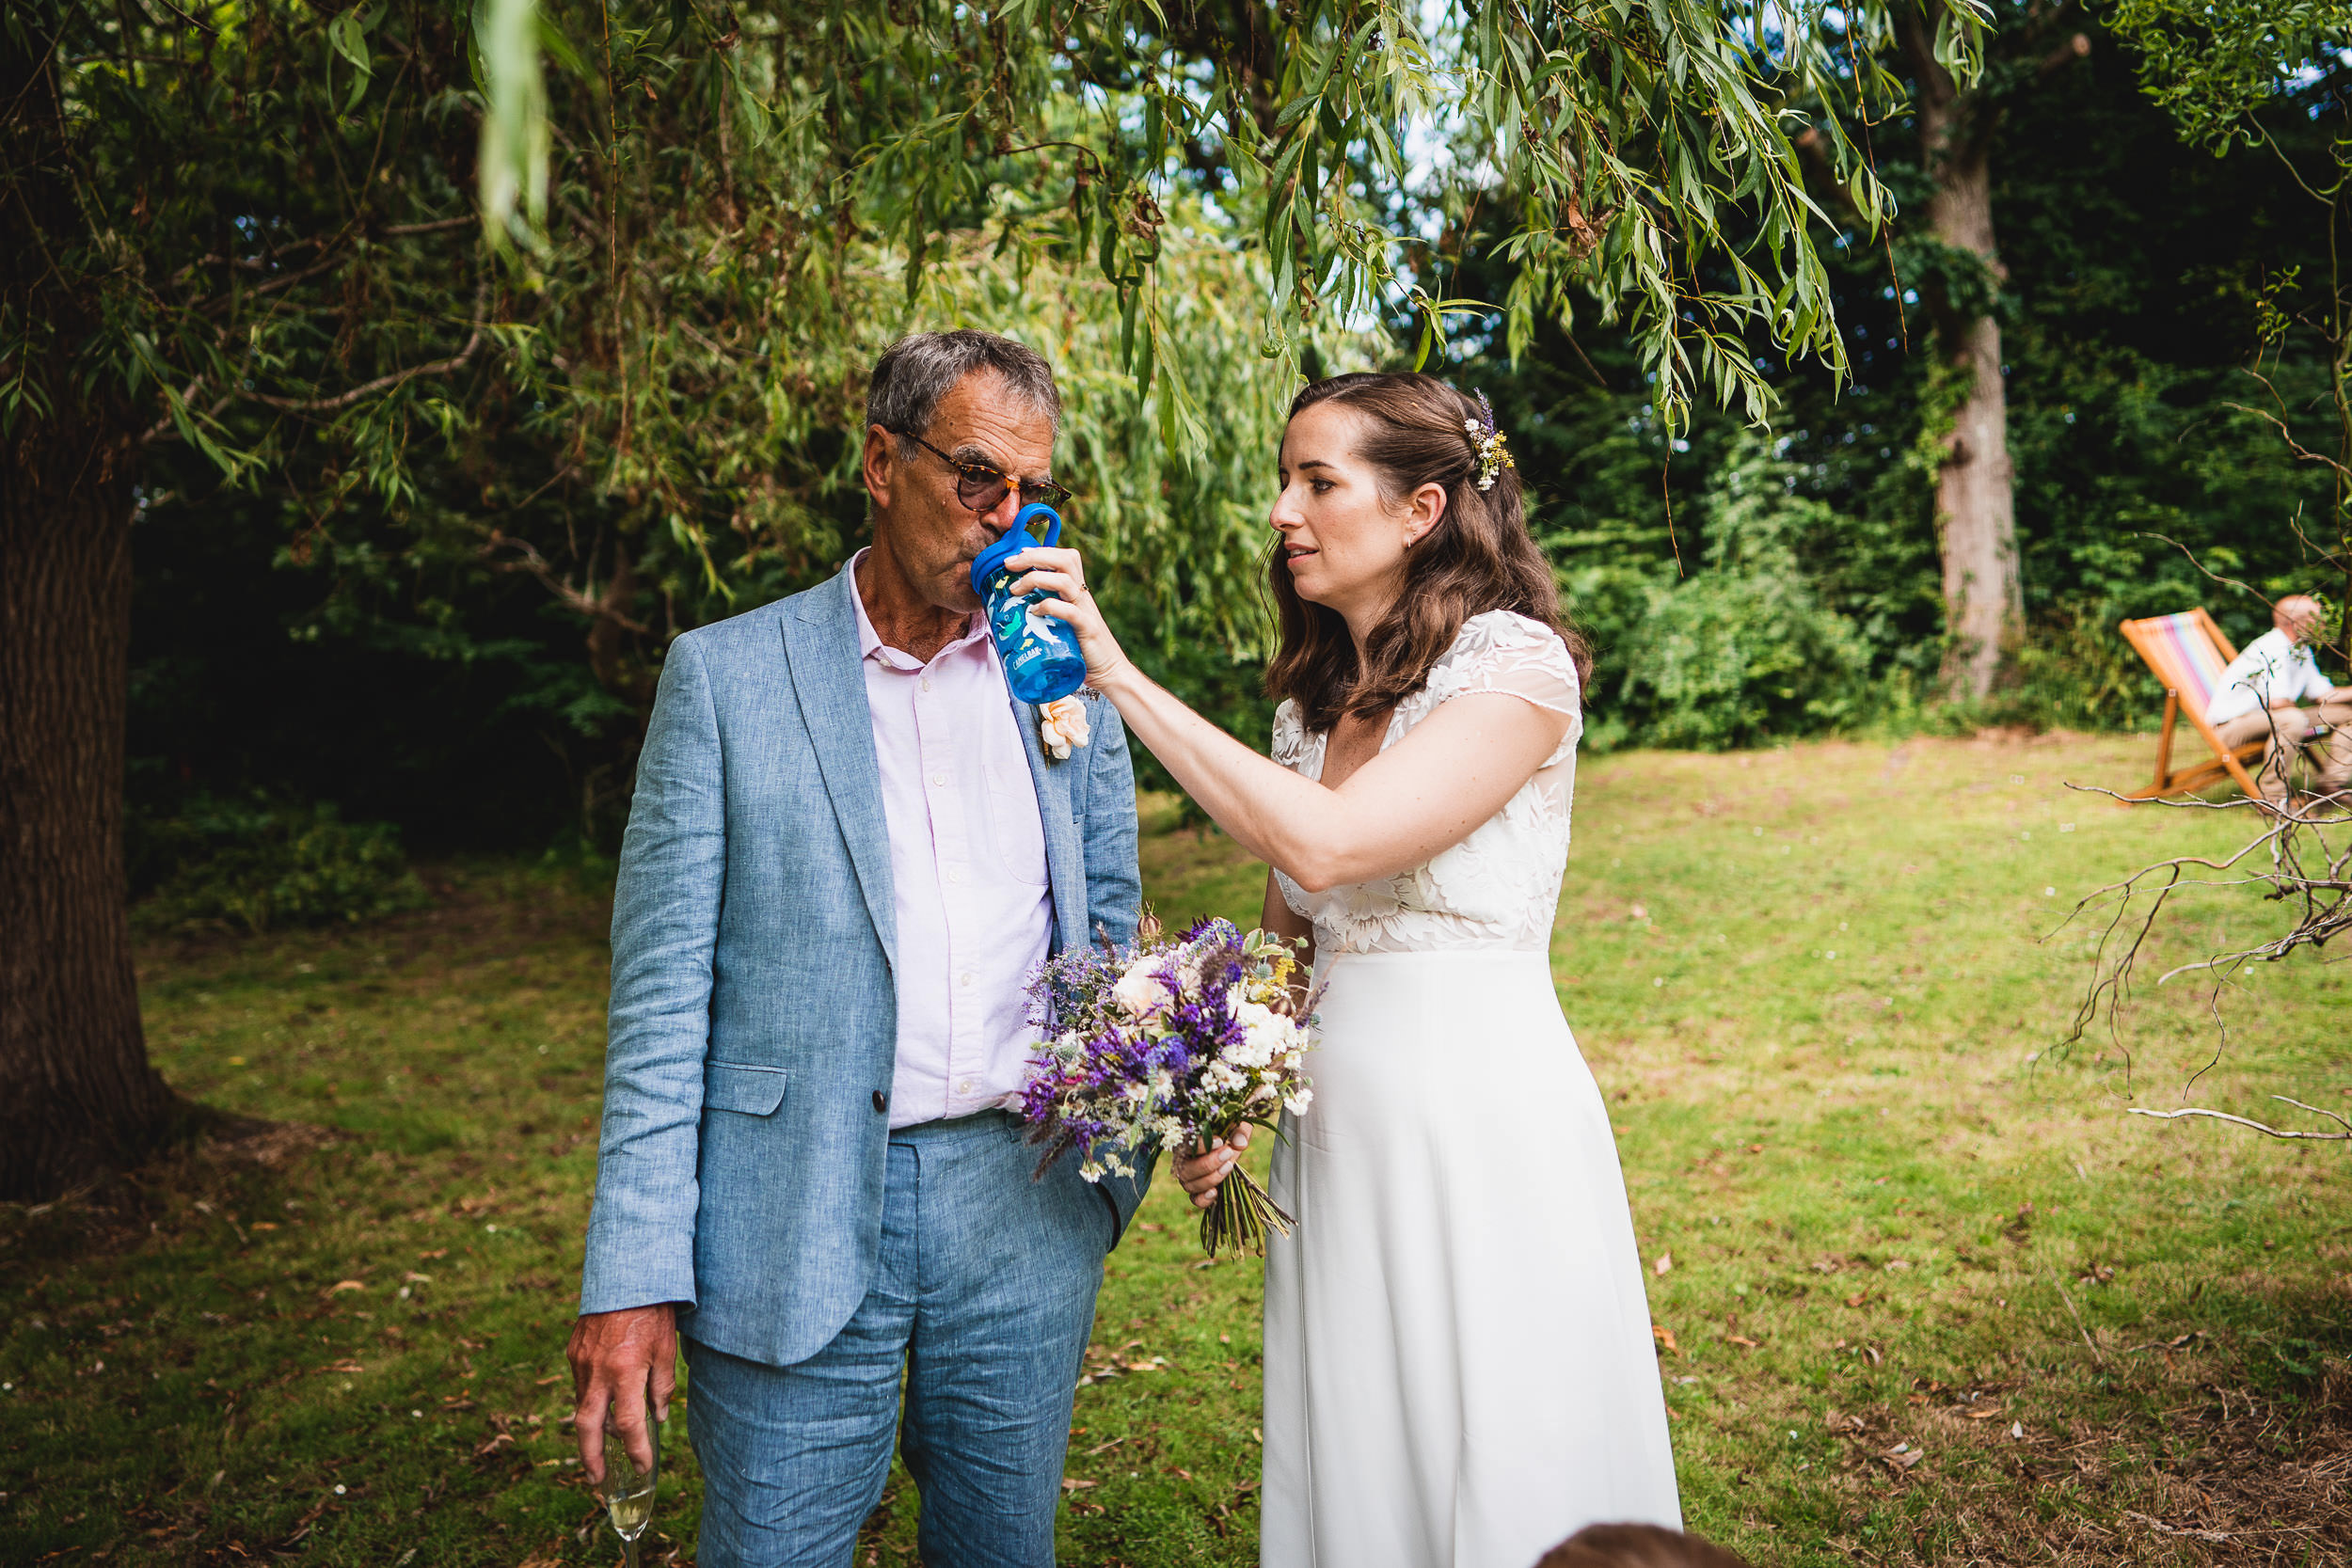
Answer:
(1202, 1174)
(618, 1359)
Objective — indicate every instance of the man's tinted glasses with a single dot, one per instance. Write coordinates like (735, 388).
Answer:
(980, 486)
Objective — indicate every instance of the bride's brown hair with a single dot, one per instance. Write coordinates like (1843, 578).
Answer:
(1479, 557)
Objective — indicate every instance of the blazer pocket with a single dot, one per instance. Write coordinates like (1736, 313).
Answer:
(755, 1091)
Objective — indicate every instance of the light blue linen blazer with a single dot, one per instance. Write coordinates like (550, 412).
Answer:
(754, 1023)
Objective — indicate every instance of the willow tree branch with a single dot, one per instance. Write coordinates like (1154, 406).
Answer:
(386, 383)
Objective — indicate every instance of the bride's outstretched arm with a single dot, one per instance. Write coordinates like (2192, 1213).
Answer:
(1423, 795)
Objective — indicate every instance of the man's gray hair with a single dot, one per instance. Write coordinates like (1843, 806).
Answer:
(914, 372)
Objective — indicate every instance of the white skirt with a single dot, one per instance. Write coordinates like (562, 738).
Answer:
(1460, 1370)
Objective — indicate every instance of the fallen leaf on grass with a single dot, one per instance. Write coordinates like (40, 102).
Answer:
(2163, 1529)
(1838, 1421)
(1665, 1337)
(1071, 1484)
(1741, 1340)
(341, 1284)
(1901, 1457)
(342, 1366)
(1858, 1298)
(1664, 1265)
(1987, 1412)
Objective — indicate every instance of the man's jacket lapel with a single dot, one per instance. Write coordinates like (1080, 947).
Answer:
(821, 647)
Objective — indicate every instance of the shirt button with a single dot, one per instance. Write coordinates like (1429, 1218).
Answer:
(954, 876)
(882, 1100)
(927, 683)
(965, 980)
(939, 780)
(965, 1088)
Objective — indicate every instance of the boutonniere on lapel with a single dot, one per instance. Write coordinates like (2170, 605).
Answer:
(1061, 726)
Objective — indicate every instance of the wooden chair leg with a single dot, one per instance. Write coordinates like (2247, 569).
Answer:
(2190, 779)
(2164, 738)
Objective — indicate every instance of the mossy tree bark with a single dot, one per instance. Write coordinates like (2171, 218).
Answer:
(1976, 515)
(77, 1096)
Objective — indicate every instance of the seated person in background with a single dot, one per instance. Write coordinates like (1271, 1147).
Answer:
(1637, 1547)
(2258, 696)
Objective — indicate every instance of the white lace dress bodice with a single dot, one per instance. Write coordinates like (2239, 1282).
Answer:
(1500, 887)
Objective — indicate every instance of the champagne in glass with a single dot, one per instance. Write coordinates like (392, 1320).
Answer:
(628, 1489)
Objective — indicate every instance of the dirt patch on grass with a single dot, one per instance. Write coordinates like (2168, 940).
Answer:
(232, 1162)
(2200, 1471)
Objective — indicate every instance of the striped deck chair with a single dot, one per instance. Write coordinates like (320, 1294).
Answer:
(2188, 653)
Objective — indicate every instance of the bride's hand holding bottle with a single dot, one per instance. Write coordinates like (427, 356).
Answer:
(1060, 576)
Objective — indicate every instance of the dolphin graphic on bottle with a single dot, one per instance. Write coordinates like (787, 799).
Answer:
(1040, 653)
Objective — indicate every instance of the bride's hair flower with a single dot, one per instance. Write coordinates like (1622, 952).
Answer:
(1493, 456)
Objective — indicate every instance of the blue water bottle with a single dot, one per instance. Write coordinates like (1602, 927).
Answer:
(1040, 654)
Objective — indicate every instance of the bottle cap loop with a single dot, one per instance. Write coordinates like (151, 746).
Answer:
(1017, 538)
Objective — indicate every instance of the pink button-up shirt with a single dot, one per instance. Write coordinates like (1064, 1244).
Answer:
(967, 870)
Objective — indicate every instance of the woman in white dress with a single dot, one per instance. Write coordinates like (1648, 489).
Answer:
(1458, 1362)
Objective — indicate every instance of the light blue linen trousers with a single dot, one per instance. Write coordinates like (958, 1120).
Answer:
(743, 1170)
(982, 1304)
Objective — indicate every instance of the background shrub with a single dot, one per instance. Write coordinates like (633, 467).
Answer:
(254, 864)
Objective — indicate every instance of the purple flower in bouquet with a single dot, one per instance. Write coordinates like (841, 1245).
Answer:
(1169, 1044)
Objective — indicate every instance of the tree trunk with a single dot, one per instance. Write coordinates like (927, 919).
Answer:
(1976, 515)
(76, 1093)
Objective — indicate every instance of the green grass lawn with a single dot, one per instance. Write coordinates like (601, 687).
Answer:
(1933, 1296)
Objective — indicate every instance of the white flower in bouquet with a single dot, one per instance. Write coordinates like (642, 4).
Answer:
(1140, 992)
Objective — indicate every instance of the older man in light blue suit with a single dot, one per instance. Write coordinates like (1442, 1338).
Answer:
(847, 843)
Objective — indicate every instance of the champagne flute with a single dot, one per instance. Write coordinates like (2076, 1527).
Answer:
(628, 1489)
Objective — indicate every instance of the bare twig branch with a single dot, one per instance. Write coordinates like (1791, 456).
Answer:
(2096, 1353)
(2263, 1128)
(601, 607)
(2303, 453)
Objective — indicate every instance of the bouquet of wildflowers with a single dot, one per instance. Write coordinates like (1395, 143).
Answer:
(1169, 1044)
